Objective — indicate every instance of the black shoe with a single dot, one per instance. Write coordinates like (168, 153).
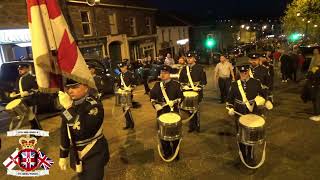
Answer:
(222, 101)
(190, 130)
(198, 129)
(125, 128)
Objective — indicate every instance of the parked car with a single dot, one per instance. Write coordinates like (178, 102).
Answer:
(107, 75)
(47, 103)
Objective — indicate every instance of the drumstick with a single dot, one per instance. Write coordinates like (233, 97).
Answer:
(235, 112)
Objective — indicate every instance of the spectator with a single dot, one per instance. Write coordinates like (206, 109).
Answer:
(169, 60)
(315, 61)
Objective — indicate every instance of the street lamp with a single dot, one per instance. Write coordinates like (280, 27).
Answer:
(298, 14)
(248, 27)
(315, 25)
(242, 26)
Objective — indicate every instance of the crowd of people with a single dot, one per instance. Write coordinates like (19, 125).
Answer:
(247, 89)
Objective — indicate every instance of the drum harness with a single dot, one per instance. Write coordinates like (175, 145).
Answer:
(126, 108)
(250, 108)
(165, 95)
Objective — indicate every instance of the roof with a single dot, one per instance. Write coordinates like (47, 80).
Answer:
(165, 19)
(130, 3)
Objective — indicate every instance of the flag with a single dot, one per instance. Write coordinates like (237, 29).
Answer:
(54, 50)
(11, 161)
(44, 161)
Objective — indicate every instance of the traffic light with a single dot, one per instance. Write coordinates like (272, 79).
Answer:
(295, 37)
(210, 43)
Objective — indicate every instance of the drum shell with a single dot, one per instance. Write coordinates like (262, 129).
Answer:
(251, 135)
(21, 110)
(170, 131)
(123, 99)
(190, 103)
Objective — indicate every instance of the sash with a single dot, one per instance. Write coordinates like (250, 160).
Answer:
(244, 97)
(189, 77)
(164, 93)
(250, 73)
(122, 81)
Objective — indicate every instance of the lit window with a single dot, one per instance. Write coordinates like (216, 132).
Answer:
(113, 24)
(86, 23)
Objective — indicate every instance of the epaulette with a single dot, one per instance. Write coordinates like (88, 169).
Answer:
(91, 100)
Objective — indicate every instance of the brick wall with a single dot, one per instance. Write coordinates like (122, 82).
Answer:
(13, 14)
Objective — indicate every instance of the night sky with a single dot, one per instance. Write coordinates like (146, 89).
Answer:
(225, 8)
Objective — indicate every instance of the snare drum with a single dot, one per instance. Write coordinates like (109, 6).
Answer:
(123, 98)
(191, 101)
(251, 129)
(17, 109)
(170, 126)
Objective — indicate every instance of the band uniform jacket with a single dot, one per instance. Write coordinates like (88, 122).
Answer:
(252, 88)
(84, 119)
(261, 73)
(198, 77)
(269, 65)
(28, 83)
(99, 83)
(173, 90)
(128, 78)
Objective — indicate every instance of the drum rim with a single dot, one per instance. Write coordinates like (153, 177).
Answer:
(178, 115)
(260, 119)
(191, 92)
(11, 102)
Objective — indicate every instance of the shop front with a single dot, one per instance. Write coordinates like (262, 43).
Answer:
(93, 48)
(141, 46)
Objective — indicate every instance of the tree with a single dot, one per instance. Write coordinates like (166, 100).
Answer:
(303, 16)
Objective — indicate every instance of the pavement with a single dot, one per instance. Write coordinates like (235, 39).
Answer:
(292, 142)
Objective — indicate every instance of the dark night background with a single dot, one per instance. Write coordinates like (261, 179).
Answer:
(225, 8)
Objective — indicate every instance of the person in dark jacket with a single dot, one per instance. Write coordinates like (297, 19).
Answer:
(81, 132)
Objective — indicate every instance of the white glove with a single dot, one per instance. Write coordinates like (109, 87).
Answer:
(196, 88)
(158, 107)
(65, 100)
(231, 111)
(171, 103)
(260, 101)
(13, 94)
(127, 89)
(185, 87)
(24, 93)
(269, 105)
(63, 163)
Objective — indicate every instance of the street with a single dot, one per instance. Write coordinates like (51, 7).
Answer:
(292, 142)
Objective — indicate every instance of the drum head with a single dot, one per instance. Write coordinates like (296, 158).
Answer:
(13, 104)
(251, 120)
(169, 118)
(190, 94)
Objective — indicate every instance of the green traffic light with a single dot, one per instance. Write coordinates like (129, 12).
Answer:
(295, 37)
(210, 43)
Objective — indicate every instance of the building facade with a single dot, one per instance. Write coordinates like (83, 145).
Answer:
(172, 35)
(117, 29)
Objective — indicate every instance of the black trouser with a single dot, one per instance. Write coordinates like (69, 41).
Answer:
(169, 148)
(224, 85)
(35, 124)
(146, 80)
(129, 118)
(194, 123)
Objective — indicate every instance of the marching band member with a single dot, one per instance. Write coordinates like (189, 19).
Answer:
(24, 86)
(173, 95)
(260, 73)
(245, 95)
(81, 132)
(194, 78)
(127, 83)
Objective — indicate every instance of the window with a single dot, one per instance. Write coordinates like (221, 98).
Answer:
(148, 25)
(169, 35)
(184, 33)
(86, 23)
(113, 24)
(133, 29)
(162, 33)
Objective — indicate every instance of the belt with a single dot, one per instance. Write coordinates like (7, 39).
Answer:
(88, 141)
(243, 103)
